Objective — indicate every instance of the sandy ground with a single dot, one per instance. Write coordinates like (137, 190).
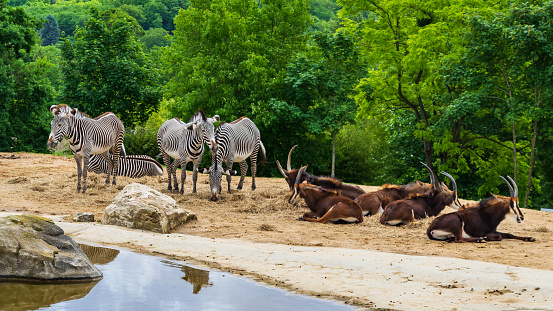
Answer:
(262, 221)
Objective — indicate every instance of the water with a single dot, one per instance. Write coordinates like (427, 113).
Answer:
(547, 209)
(140, 282)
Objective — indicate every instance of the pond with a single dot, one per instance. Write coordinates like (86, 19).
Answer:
(135, 281)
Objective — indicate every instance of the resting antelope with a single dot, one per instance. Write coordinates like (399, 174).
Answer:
(326, 205)
(290, 175)
(418, 206)
(373, 203)
(478, 222)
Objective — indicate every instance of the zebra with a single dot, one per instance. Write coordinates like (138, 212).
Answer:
(88, 136)
(236, 141)
(133, 166)
(185, 142)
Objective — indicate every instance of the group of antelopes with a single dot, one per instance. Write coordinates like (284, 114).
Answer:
(330, 200)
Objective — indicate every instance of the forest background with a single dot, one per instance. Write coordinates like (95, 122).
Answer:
(366, 88)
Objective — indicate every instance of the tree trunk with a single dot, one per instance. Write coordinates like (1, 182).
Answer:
(529, 181)
(514, 151)
(333, 154)
(428, 151)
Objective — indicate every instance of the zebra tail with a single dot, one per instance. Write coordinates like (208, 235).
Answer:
(263, 153)
(123, 152)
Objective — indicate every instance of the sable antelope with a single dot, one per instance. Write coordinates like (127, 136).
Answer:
(478, 222)
(293, 178)
(327, 205)
(418, 206)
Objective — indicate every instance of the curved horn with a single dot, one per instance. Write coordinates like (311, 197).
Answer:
(508, 185)
(432, 178)
(288, 165)
(454, 185)
(514, 185)
(283, 172)
(300, 172)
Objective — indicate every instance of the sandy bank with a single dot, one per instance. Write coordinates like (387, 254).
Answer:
(365, 278)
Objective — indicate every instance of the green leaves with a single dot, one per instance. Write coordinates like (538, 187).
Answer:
(106, 70)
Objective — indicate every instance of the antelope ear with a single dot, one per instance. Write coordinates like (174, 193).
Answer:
(497, 197)
(420, 183)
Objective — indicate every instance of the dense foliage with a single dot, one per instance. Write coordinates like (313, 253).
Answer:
(464, 86)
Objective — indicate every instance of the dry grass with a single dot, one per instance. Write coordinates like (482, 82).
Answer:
(260, 216)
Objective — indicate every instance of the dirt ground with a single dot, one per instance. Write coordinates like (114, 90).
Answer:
(46, 184)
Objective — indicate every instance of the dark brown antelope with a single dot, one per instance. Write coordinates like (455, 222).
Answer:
(373, 203)
(293, 177)
(478, 222)
(326, 205)
(418, 206)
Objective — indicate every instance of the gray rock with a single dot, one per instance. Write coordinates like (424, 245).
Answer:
(34, 248)
(141, 207)
(84, 217)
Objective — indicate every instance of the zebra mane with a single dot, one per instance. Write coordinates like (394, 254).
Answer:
(198, 115)
(236, 121)
(102, 115)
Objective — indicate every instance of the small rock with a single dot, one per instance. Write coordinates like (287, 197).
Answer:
(84, 217)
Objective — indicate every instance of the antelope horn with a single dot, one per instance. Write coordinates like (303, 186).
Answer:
(508, 185)
(514, 186)
(432, 178)
(283, 172)
(454, 185)
(288, 165)
(300, 172)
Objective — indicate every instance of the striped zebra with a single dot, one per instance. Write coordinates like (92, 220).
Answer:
(88, 136)
(133, 166)
(236, 141)
(185, 142)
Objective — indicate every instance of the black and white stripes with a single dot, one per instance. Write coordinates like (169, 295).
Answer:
(236, 141)
(185, 142)
(134, 166)
(88, 136)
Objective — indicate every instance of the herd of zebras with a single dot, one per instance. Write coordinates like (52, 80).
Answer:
(96, 144)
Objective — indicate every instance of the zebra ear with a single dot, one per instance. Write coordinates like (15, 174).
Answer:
(74, 111)
(192, 126)
(215, 118)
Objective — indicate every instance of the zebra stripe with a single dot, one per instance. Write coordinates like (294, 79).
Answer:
(185, 142)
(88, 136)
(133, 166)
(236, 141)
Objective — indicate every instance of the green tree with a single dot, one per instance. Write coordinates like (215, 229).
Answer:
(229, 57)
(507, 71)
(405, 44)
(155, 37)
(50, 32)
(106, 70)
(24, 87)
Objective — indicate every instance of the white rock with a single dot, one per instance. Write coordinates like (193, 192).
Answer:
(141, 207)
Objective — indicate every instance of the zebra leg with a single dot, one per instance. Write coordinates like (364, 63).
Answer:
(182, 174)
(243, 171)
(110, 164)
(115, 164)
(229, 177)
(254, 170)
(176, 163)
(78, 159)
(86, 160)
(167, 162)
(195, 168)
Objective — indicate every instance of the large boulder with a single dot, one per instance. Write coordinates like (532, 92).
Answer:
(33, 248)
(141, 207)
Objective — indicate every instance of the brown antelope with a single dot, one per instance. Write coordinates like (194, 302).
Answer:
(291, 176)
(418, 206)
(478, 222)
(326, 205)
(373, 203)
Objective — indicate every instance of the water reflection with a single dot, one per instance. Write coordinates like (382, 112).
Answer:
(99, 255)
(140, 282)
(25, 296)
